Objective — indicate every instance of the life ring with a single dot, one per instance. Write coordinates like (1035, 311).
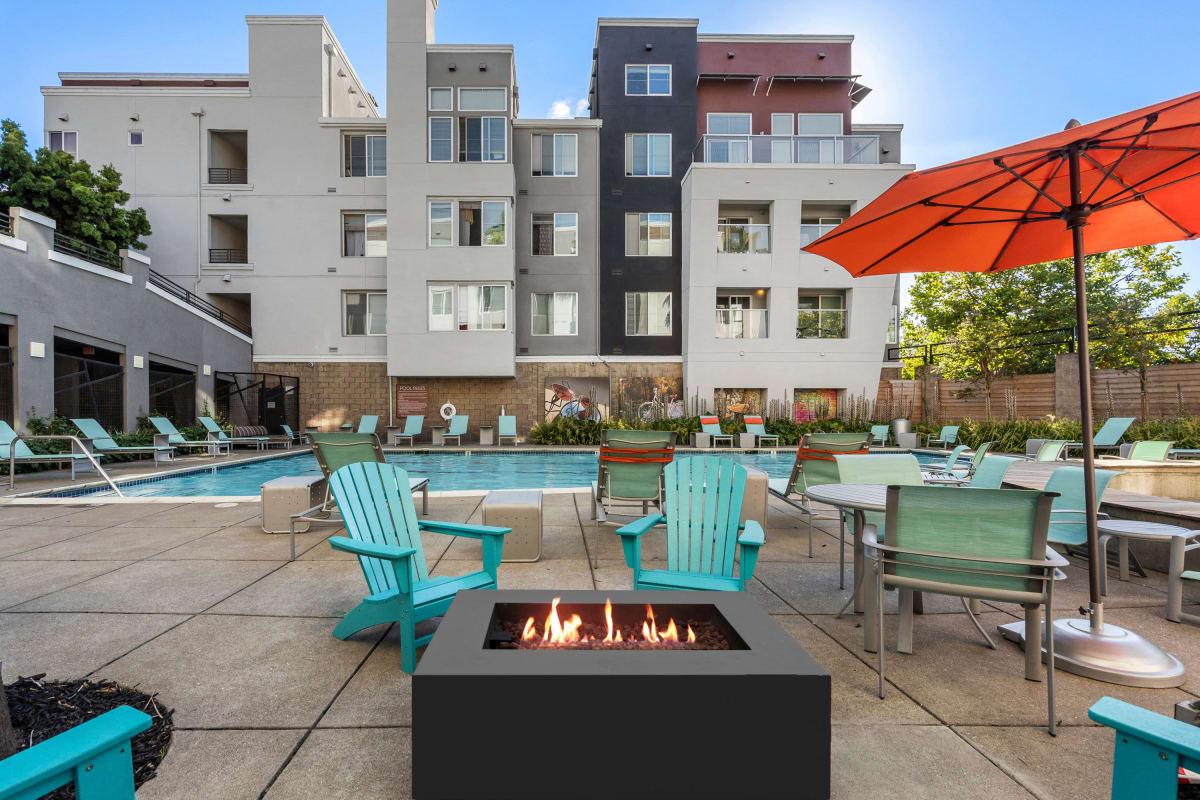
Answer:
(447, 411)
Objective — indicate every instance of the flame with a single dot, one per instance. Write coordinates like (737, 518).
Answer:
(608, 619)
(691, 635)
(556, 631)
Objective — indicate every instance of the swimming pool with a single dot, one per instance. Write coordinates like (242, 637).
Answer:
(449, 471)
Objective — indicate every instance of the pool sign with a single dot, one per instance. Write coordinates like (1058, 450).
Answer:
(411, 399)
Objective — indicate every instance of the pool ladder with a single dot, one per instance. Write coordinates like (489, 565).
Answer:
(77, 447)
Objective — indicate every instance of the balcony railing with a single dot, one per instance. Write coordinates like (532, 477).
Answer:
(195, 301)
(226, 174)
(763, 149)
(810, 233)
(743, 238)
(227, 255)
(5, 224)
(741, 323)
(89, 253)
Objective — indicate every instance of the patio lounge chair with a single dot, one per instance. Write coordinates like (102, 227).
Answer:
(820, 439)
(1051, 450)
(754, 425)
(297, 438)
(630, 469)
(215, 433)
(703, 508)
(711, 427)
(98, 440)
(367, 423)
(879, 434)
(1067, 524)
(1109, 435)
(458, 428)
(506, 428)
(1149, 752)
(170, 435)
(990, 472)
(815, 466)
(383, 531)
(1147, 450)
(947, 470)
(987, 544)
(21, 454)
(947, 436)
(412, 429)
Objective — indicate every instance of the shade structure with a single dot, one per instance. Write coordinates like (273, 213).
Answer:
(1124, 181)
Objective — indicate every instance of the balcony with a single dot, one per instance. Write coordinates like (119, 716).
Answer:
(743, 238)
(227, 255)
(227, 157)
(88, 252)
(235, 175)
(227, 239)
(810, 233)
(742, 323)
(764, 149)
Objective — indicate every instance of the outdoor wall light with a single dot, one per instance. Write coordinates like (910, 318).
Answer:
(64, 116)
(139, 362)
(729, 54)
(482, 67)
(37, 349)
(227, 197)
(649, 46)
(227, 278)
(452, 66)
(820, 56)
(134, 117)
(207, 370)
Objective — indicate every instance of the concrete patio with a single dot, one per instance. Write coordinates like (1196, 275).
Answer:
(195, 603)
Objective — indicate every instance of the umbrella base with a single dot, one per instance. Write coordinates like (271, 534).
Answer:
(1114, 655)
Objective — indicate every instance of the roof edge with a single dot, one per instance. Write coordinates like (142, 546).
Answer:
(809, 38)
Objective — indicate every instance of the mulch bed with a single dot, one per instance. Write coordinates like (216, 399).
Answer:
(42, 709)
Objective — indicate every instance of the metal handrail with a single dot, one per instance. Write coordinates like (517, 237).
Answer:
(227, 255)
(90, 253)
(12, 457)
(175, 290)
(233, 175)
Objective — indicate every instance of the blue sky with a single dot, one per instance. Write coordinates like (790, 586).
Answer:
(963, 77)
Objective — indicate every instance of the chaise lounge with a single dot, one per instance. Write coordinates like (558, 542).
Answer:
(98, 440)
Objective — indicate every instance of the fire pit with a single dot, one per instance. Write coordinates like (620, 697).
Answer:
(532, 694)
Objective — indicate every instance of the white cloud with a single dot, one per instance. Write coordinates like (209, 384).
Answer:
(560, 109)
(581, 107)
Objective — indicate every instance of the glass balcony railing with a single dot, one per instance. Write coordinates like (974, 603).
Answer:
(810, 233)
(743, 238)
(741, 323)
(763, 149)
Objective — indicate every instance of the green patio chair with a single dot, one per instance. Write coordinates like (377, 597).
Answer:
(712, 427)
(13, 452)
(506, 428)
(457, 429)
(985, 544)
(879, 434)
(976, 459)
(1150, 750)
(947, 469)
(990, 472)
(1149, 451)
(947, 436)
(754, 425)
(300, 438)
(383, 531)
(216, 433)
(95, 756)
(703, 508)
(168, 434)
(412, 429)
(367, 423)
(814, 466)
(1051, 450)
(630, 469)
(1109, 435)
(98, 440)
(1067, 524)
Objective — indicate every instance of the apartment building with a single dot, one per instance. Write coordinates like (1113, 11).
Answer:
(458, 252)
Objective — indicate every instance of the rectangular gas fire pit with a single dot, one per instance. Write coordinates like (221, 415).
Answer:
(542, 694)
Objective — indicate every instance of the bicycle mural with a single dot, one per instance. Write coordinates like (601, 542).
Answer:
(732, 403)
(588, 399)
(650, 398)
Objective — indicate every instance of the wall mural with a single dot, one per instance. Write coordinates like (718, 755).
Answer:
(650, 398)
(730, 403)
(810, 404)
(578, 398)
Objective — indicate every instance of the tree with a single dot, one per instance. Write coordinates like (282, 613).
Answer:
(85, 205)
(979, 354)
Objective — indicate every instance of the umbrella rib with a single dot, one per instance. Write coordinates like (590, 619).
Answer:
(1150, 120)
(1154, 148)
(1161, 213)
(983, 208)
(1013, 233)
(999, 162)
(1133, 187)
(1018, 220)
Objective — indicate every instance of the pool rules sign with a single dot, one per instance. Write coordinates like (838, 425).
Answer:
(410, 399)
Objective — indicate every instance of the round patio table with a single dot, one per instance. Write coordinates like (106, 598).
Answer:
(1179, 539)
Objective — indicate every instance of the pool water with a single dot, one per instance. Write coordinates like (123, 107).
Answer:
(449, 471)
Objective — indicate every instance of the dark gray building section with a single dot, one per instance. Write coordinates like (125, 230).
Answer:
(621, 42)
(52, 301)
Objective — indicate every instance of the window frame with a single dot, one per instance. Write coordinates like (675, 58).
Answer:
(536, 157)
(366, 293)
(429, 98)
(429, 222)
(481, 111)
(841, 294)
(366, 154)
(454, 204)
(648, 93)
(631, 137)
(791, 123)
(841, 122)
(141, 136)
(62, 139)
(364, 213)
(553, 301)
(554, 236)
(453, 287)
(429, 140)
(457, 289)
(484, 139)
(670, 311)
(670, 230)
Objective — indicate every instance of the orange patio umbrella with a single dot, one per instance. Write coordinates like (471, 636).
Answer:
(1129, 180)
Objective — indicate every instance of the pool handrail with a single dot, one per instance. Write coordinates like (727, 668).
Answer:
(12, 457)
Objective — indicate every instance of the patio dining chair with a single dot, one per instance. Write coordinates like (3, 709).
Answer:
(630, 470)
(1051, 450)
(945, 438)
(412, 429)
(710, 426)
(99, 440)
(893, 469)
(1146, 450)
(986, 544)
(1068, 526)
(814, 466)
(297, 438)
(382, 529)
(1109, 435)
(879, 434)
(990, 472)
(168, 434)
(701, 515)
(947, 469)
(754, 425)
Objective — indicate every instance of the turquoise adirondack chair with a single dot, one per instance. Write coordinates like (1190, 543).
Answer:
(990, 472)
(703, 508)
(376, 503)
(879, 434)
(96, 756)
(1067, 524)
(947, 436)
(458, 428)
(1109, 435)
(712, 427)
(506, 428)
(101, 441)
(412, 429)
(1149, 750)
(367, 423)
(754, 425)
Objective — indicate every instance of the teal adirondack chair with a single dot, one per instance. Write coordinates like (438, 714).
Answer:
(169, 434)
(367, 423)
(1067, 524)
(879, 434)
(102, 442)
(703, 508)
(712, 427)
(21, 454)
(458, 428)
(215, 432)
(754, 425)
(990, 472)
(383, 531)
(506, 428)
(412, 429)
(947, 436)
(96, 756)
(1109, 435)
(1149, 750)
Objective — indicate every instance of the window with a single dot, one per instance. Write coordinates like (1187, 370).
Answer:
(135, 138)
(554, 314)
(365, 155)
(441, 138)
(364, 234)
(782, 125)
(821, 316)
(781, 149)
(647, 234)
(555, 234)
(468, 223)
(647, 313)
(553, 154)
(728, 138)
(648, 154)
(365, 313)
(483, 99)
(441, 98)
(67, 141)
(807, 124)
(651, 79)
(893, 325)
(468, 307)
(481, 139)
